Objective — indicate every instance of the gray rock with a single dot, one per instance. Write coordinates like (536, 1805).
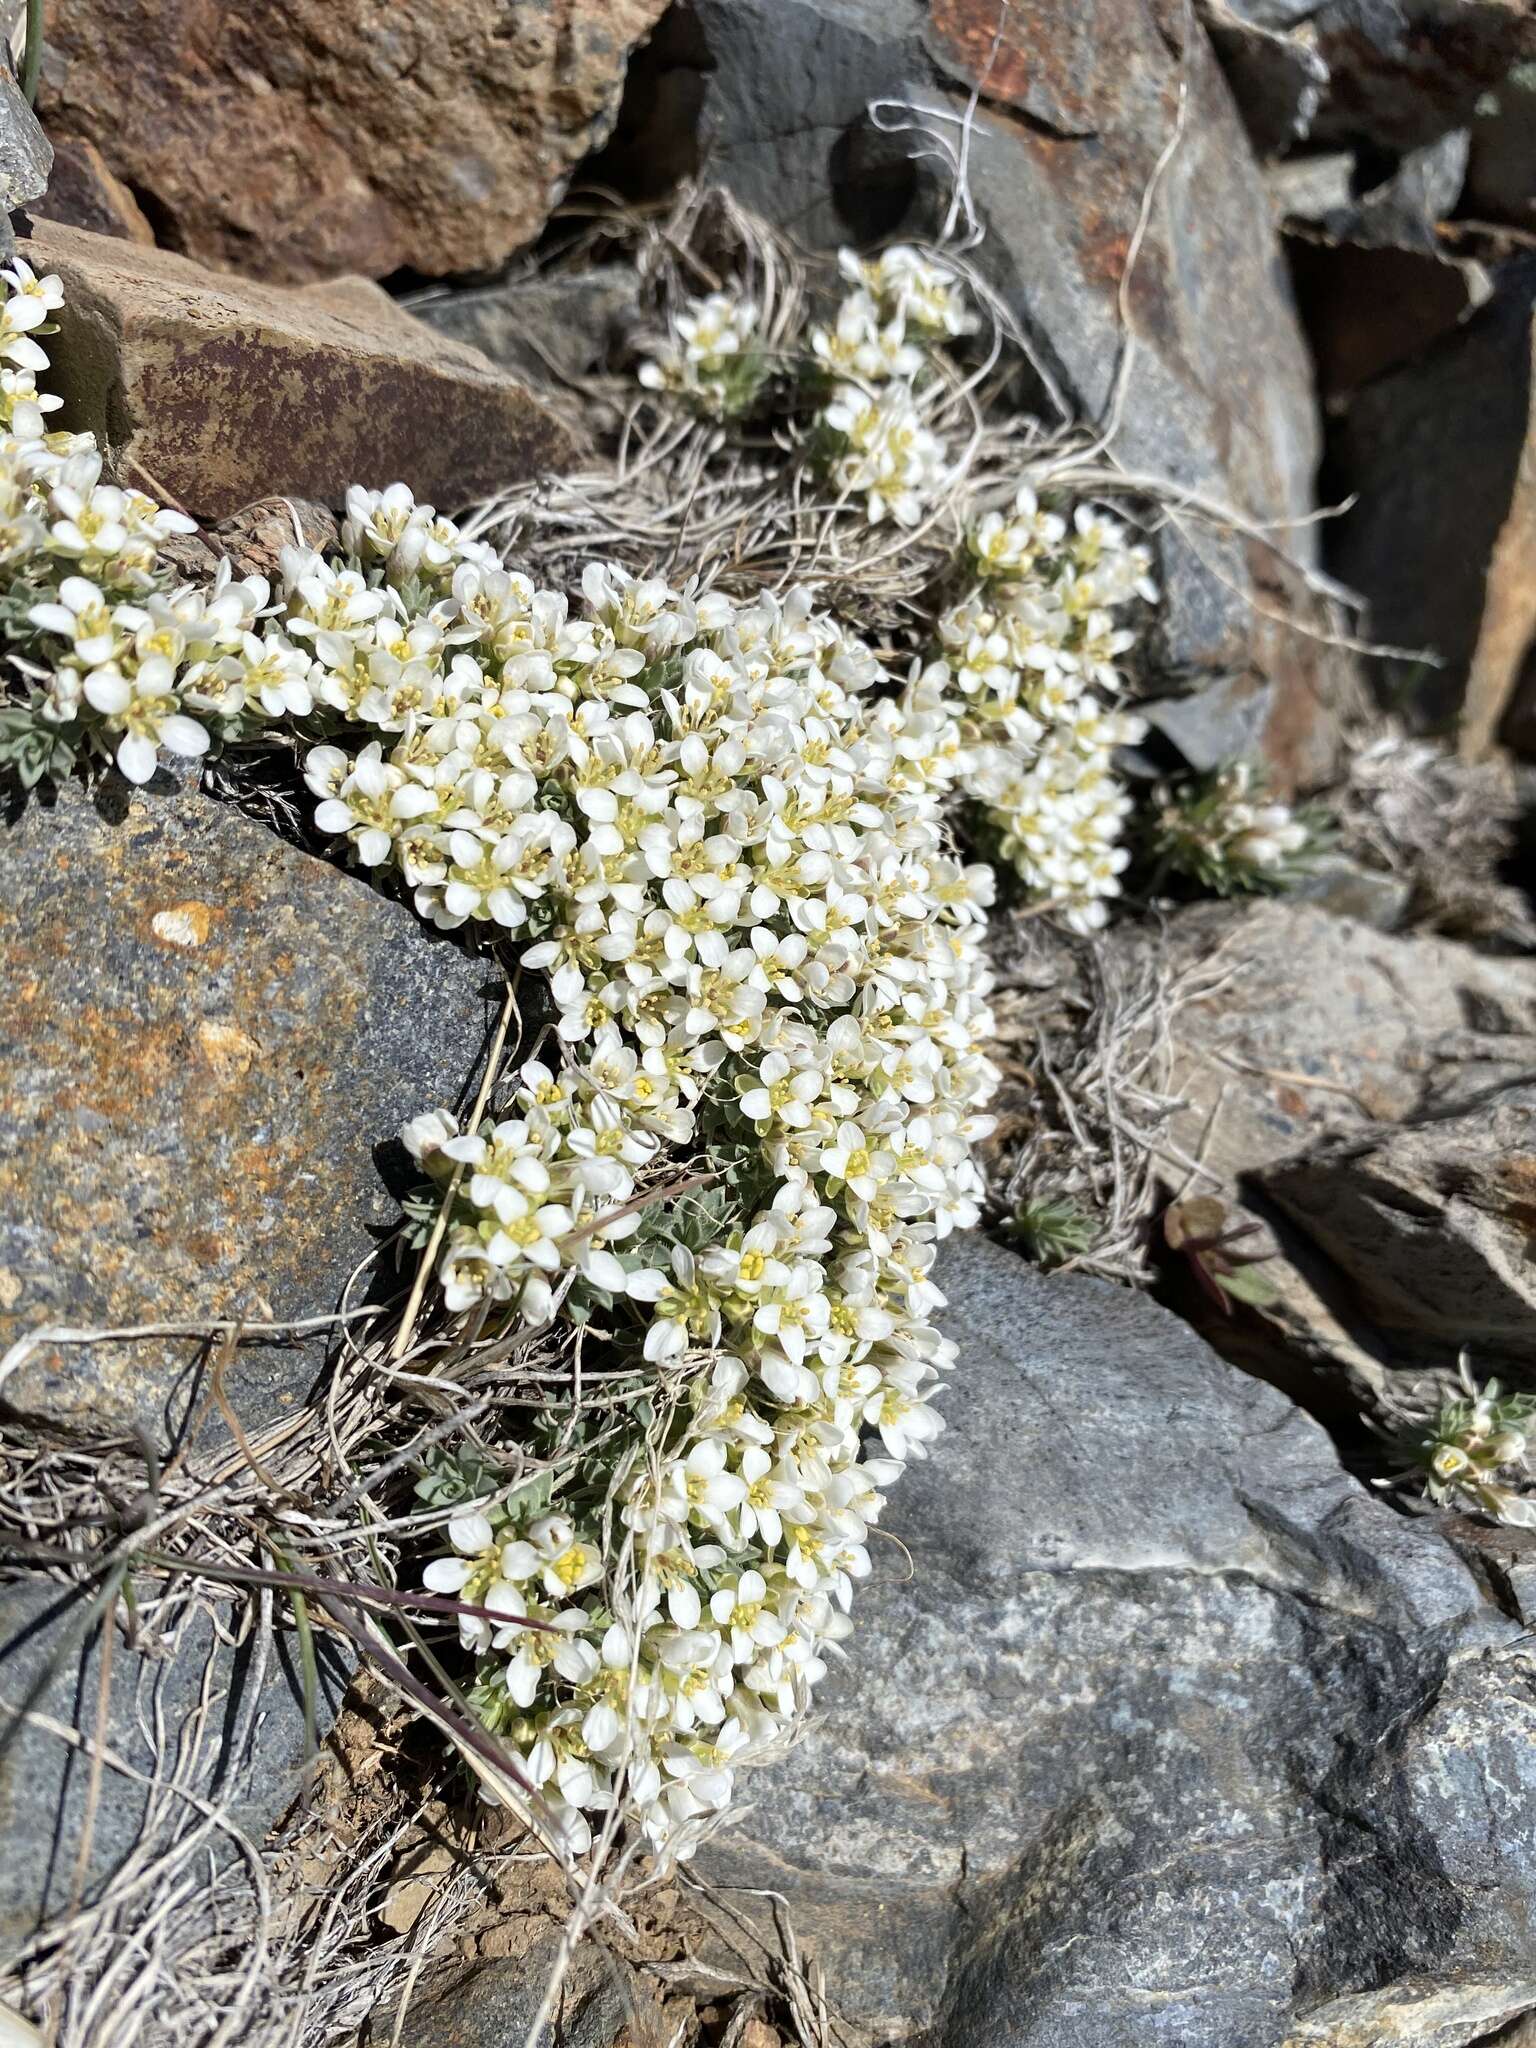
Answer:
(1277, 80)
(1405, 210)
(1406, 71)
(1372, 1029)
(561, 327)
(1430, 1226)
(1325, 1031)
(241, 1742)
(1242, 717)
(1307, 187)
(1155, 1727)
(1346, 888)
(25, 155)
(1414, 2014)
(1075, 106)
(212, 1040)
(1438, 456)
(1504, 1558)
(1397, 74)
(496, 2003)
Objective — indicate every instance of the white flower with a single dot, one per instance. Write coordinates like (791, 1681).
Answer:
(890, 457)
(863, 346)
(143, 708)
(707, 341)
(82, 614)
(927, 295)
(700, 1488)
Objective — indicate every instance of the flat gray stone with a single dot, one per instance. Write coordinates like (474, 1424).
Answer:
(212, 1040)
(544, 329)
(1155, 1729)
(1430, 1226)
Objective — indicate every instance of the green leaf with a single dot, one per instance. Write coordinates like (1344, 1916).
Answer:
(1247, 1285)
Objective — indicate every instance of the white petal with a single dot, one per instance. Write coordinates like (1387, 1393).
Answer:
(136, 757)
(184, 735)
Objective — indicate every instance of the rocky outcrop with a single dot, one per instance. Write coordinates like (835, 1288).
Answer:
(1154, 1726)
(85, 192)
(1395, 74)
(1326, 1040)
(315, 137)
(215, 391)
(1429, 1226)
(209, 1037)
(1076, 105)
(1442, 457)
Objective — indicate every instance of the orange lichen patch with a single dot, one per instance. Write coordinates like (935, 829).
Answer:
(229, 1051)
(110, 1062)
(992, 52)
(1106, 254)
(210, 1250)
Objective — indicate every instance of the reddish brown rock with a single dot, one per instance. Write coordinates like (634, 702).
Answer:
(84, 193)
(255, 536)
(215, 391)
(306, 138)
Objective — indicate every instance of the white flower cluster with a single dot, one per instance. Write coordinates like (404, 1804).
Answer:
(129, 662)
(710, 354)
(1225, 832)
(1026, 667)
(1474, 1453)
(1026, 663)
(720, 828)
(877, 353)
(729, 852)
(83, 557)
(732, 861)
